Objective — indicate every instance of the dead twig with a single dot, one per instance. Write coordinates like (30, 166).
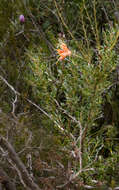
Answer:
(28, 181)
(73, 177)
(64, 131)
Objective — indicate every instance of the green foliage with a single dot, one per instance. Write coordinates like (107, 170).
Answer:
(78, 96)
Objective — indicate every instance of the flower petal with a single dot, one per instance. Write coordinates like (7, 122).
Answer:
(64, 47)
(63, 52)
(60, 51)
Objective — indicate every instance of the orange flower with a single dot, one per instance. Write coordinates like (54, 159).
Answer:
(63, 52)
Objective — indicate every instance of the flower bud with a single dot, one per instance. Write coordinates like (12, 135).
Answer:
(21, 19)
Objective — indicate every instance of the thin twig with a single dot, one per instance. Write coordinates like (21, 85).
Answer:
(18, 172)
(74, 176)
(9, 85)
(21, 167)
(14, 106)
(70, 116)
(81, 132)
(39, 108)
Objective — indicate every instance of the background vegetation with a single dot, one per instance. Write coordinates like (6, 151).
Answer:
(59, 120)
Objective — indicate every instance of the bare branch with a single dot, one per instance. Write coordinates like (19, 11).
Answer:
(50, 117)
(81, 132)
(64, 131)
(14, 106)
(18, 172)
(70, 116)
(73, 177)
(9, 85)
(21, 167)
(14, 166)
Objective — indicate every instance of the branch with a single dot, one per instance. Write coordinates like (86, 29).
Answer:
(21, 167)
(64, 131)
(81, 132)
(14, 105)
(70, 116)
(18, 172)
(50, 117)
(73, 177)
(9, 85)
